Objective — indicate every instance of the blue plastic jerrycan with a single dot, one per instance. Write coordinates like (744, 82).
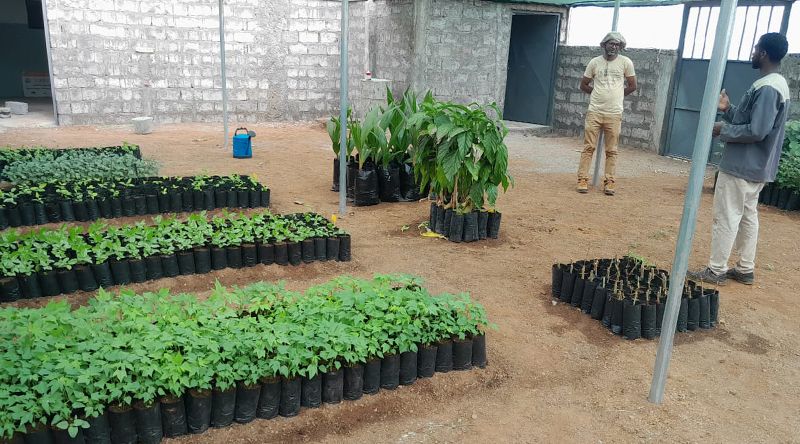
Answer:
(243, 143)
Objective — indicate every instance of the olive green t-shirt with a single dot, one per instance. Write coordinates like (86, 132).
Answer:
(608, 78)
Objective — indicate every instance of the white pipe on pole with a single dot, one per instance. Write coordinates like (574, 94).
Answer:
(222, 69)
(599, 155)
(367, 5)
(343, 85)
(702, 146)
(48, 47)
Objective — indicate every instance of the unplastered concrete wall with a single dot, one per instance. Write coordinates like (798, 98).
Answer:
(461, 47)
(113, 60)
(643, 121)
(116, 59)
(790, 68)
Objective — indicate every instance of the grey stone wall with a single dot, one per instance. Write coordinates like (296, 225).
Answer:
(113, 60)
(643, 119)
(791, 70)
(390, 52)
(461, 47)
(116, 59)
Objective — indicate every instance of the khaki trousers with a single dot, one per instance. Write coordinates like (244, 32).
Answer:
(735, 225)
(610, 125)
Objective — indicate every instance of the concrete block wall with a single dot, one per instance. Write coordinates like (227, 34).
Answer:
(391, 45)
(643, 119)
(461, 47)
(113, 60)
(390, 52)
(116, 59)
(790, 69)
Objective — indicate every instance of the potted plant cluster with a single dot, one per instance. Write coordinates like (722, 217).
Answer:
(9, 156)
(90, 199)
(79, 165)
(138, 368)
(455, 152)
(784, 193)
(48, 262)
(379, 150)
(628, 296)
(461, 155)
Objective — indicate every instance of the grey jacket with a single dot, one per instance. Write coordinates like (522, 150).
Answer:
(754, 133)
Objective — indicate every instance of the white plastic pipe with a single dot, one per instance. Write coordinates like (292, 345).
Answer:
(367, 7)
(222, 69)
(343, 89)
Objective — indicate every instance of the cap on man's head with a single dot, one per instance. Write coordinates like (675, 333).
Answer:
(614, 35)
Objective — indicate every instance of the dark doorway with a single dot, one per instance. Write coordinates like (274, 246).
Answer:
(25, 70)
(531, 68)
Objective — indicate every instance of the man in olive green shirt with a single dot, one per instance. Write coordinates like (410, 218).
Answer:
(608, 79)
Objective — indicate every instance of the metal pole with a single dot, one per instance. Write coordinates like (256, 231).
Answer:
(343, 109)
(222, 68)
(702, 146)
(596, 175)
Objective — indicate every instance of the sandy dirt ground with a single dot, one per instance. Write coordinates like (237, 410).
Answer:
(555, 375)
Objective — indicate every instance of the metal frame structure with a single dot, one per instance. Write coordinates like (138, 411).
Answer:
(676, 78)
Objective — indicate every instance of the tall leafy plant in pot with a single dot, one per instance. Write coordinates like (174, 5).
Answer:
(395, 163)
(369, 140)
(460, 152)
(334, 127)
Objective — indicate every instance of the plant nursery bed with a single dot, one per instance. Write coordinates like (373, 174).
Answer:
(138, 368)
(783, 198)
(629, 297)
(408, 148)
(74, 165)
(8, 156)
(88, 200)
(51, 262)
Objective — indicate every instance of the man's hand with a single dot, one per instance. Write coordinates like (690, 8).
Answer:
(585, 85)
(724, 101)
(717, 128)
(630, 86)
